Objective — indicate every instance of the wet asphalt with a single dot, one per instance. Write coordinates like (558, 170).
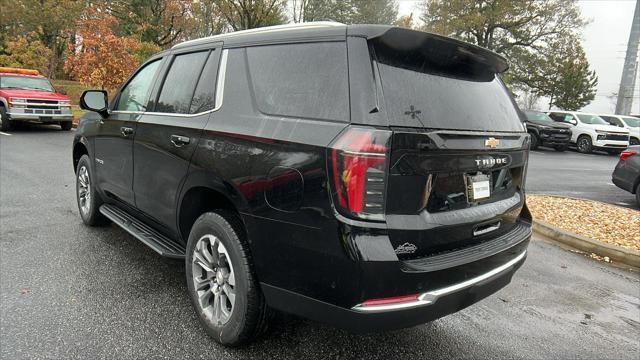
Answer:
(68, 291)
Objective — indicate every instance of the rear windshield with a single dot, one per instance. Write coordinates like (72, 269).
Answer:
(440, 89)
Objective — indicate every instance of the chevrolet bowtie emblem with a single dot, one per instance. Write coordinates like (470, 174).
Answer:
(492, 142)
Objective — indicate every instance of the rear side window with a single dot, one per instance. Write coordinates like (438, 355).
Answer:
(301, 80)
(432, 88)
(180, 83)
(204, 95)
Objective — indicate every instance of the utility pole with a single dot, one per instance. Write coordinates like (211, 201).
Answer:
(629, 71)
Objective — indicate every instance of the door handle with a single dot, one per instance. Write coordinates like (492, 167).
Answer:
(126, 131)
(179, 140)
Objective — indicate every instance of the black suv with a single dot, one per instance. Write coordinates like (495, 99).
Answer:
(369, 177)
(545, 131)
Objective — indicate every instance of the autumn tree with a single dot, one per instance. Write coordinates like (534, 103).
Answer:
(50, 20)
(26, 52)
(101, 58)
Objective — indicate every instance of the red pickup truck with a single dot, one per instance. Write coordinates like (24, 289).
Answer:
(25, 95)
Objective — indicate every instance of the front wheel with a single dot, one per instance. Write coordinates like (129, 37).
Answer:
(65, 125)
(584, 144)
(89, 200)
(634, 141)
(561, 148)
(5, 123)
(221, 282)
(535, 142)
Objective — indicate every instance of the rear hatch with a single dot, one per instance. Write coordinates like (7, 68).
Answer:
(458, 149)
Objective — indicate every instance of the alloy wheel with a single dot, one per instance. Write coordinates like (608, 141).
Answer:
(583, 145)
(84, 190)
(214, 279)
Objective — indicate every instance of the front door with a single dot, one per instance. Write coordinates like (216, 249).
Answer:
(114, 139)
(167, 137)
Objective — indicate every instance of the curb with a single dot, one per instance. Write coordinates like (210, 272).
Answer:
(615, 253)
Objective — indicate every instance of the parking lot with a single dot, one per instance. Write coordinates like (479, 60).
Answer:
(577, 175)
(70, 291)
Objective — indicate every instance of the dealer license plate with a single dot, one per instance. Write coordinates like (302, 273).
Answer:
(478, 187)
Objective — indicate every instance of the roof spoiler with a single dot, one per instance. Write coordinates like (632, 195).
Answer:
(406, 39)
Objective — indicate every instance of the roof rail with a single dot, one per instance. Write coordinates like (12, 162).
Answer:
(266, 29)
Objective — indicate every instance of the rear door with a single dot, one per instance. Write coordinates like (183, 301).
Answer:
(114, 138)
(167, 136)
(459, 146)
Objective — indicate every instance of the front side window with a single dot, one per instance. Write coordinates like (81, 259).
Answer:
(301, 80)
(25, 83)
(180, 83)
(135, 95)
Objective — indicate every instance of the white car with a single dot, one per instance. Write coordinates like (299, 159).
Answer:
(590, 132)
(630, 123)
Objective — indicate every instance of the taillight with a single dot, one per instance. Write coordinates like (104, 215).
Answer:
(626, 154)
(358, 169)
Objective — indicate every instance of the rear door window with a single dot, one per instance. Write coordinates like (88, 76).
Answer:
(424, 88)
(301, 80)
(180, 83)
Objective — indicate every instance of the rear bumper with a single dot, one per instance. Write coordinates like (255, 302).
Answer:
(431, 305)
(441, 288)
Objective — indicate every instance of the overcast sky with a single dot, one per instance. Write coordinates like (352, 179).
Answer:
(604, 39)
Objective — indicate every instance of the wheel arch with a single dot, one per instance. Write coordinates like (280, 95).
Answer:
(203, 192)
(80, 147)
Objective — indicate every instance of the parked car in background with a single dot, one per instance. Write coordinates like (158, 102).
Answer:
(630, 123)
(27, 96)
(626, 175)
(284, 183)
(590, 132)
(546, 132)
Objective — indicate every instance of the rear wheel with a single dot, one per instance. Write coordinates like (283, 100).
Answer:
(221, 282)
(638, 194)
(561, 148)
(535, 142)
(5, 124)
(584, 144)
(65, 125)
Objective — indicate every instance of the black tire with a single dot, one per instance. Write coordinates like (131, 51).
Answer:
(535, 142)
(638, 194)
(65, 125)
(5, 124)
(634, 141)
(249, 313)
(584, 144)
(561, 148)
(90, 215)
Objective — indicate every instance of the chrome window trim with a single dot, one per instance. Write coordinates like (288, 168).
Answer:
(219, 94)
(430, 297)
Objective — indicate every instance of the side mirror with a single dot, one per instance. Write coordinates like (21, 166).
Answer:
(61, 91)
(95, 100)
(573, 122)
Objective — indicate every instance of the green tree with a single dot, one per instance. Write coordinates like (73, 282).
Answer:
(249, 14)
(346, 11)
(26, 52)
(523, 31)
(51, 20)
(572, 85)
